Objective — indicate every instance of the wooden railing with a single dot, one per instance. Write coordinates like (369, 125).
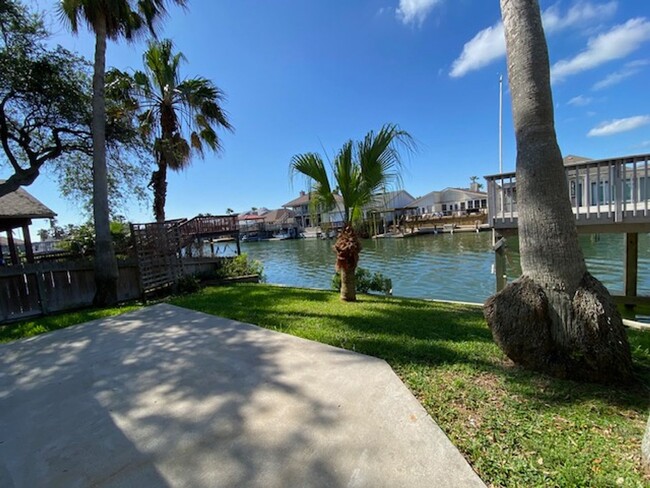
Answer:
(219, 224)
(605, 191)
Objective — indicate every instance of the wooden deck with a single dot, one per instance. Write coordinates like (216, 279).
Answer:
(607, 195)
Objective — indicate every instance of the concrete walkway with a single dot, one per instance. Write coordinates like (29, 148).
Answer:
(166, 397)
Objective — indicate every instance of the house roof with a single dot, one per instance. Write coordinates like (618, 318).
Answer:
(251, 217)
(466, 190)
(571, 159)
(386, 199)
(304, 200)
(21, 205)
(417, 201)
(278, 215)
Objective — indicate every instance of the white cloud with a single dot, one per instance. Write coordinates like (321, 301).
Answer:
(486, 46)
(580, 101)
(619, 125)
(629, 70)
(489, 44)
(580, 13)
(415, 11)
(617, 43)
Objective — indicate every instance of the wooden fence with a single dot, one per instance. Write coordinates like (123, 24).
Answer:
(31, 290)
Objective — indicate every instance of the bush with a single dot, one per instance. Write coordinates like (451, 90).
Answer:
(187, 284)
(240, 266)
(365, 281)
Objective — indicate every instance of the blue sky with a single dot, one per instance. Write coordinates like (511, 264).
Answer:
(306, 75)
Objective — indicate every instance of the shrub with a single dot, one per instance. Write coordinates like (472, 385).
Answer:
(240, 266)
(365, 281)
(187, 284)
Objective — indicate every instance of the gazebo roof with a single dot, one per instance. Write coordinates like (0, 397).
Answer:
(21, 205)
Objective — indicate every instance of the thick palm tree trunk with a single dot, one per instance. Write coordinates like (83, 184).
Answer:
(556, 318)
(159, 184)
(347, 249)
(106, 271)
(348, 285)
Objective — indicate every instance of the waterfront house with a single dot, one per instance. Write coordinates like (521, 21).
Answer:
(451, 201)
(305, 216)
(280, 221)
(388, 208)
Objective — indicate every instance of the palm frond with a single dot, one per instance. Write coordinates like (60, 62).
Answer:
(312, 167)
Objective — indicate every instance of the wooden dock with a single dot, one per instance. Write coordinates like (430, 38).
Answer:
(607, 196)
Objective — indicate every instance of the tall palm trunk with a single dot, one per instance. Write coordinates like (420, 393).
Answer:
(347, 249)
(106, 270)
(556, 318)
(166, 152)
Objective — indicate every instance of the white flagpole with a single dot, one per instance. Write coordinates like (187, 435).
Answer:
(500, 124)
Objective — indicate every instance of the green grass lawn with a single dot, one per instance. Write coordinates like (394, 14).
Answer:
(515, 427)
(29, 328)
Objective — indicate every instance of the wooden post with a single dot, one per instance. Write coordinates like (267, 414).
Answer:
(500, 263)
(29, 251)
(238, 246)
(631, 265)
(39, 275)
(12, 248)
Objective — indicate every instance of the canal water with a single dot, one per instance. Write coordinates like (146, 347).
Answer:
(444, 266)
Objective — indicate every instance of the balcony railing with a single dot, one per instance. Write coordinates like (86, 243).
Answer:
(605, 191)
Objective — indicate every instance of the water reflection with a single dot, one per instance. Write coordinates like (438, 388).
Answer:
(450, 267)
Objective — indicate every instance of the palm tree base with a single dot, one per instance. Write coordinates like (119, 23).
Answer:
(347, 249)
(579, 337)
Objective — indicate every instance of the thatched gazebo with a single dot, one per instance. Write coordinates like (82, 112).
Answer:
(17, 209)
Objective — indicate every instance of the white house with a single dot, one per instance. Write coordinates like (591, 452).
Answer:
(451, 201)
(307, 217)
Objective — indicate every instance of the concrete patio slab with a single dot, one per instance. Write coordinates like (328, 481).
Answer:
(167, 397)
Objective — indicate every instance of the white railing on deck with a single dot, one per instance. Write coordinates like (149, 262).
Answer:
(601, 191)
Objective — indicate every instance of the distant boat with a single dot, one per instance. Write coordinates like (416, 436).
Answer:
(310, 233)
(281, 236)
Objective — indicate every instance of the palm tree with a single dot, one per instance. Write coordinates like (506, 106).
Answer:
(556, 318)
(180, 115)
(359, 171)
(108, 19)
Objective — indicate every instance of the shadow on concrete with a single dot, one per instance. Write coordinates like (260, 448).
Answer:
(161, 398)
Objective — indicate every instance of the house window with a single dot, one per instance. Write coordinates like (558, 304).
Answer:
(462, 205)
(484, 203)
(599, 195)
(444, 207)
(644, 187)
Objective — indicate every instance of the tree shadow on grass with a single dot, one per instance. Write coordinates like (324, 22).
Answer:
(407, 332)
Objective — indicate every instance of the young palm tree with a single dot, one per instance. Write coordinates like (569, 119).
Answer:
(556, 318)
(359, 171)
(108, 19)
(180, 115)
